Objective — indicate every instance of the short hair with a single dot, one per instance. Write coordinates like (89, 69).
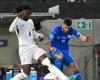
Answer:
(23, 7)
(68, 22)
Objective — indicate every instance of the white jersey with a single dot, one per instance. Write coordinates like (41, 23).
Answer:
(25, 31)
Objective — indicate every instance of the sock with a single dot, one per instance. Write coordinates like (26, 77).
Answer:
(57, 72)
(19, 76)
(78, 72)
(54, 70)
(58, 63)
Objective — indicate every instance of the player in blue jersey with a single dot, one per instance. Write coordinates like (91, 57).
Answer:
(58, 45)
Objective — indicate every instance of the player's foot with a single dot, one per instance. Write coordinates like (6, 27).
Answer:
(73, 77)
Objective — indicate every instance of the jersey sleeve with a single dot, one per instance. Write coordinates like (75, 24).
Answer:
(31, 24)
(75, 32)
(13, 25)
(37, 35)
(52, 34)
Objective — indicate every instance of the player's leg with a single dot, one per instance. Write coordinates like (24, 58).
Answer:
(71, 63)
(57, 57)
(75, 69)
(24, 73)
(42, 58)
(54, 70)
(25, 55)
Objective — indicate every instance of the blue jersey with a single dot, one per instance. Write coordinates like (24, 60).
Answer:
(60, 39)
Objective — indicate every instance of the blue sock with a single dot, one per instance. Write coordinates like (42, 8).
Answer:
(58, 63)
(78, 72)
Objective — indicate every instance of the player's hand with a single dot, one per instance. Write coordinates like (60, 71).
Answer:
(41, 37)
(89, 37)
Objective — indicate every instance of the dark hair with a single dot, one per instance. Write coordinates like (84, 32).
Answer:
(68, 22)
(23, 7)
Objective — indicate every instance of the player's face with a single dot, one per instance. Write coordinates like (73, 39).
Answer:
(28, 13)
(65, 27)
(25, 13)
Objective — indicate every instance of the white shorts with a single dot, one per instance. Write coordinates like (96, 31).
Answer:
(29, 53)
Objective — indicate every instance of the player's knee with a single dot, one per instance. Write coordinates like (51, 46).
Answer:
(44, 60)
(26, 69)
(58, 55)
(41, 58)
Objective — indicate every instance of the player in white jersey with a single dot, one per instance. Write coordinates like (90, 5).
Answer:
(28, 50)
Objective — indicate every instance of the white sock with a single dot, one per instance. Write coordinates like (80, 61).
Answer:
(54, 70)
(19, 76)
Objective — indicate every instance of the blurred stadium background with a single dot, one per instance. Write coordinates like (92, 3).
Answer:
(48, 13)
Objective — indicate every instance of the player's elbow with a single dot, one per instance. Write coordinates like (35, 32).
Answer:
(39, 35)
(11, 30)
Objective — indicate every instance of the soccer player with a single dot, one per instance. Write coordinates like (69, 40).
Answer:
(28, 50)
(58, 45)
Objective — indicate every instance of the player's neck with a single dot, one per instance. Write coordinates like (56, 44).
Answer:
(64, 30)
(25, 18)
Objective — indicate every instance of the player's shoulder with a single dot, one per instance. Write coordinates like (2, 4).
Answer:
(20, 22)
(58, 27)
(72, 28)
(30, 21)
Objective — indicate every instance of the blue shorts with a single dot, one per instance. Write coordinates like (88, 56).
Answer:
(67, 57)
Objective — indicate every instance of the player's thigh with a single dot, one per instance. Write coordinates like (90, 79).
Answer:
(25, 54)
(37, 52)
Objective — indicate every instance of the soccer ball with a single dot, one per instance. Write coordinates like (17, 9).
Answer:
(50, 76)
